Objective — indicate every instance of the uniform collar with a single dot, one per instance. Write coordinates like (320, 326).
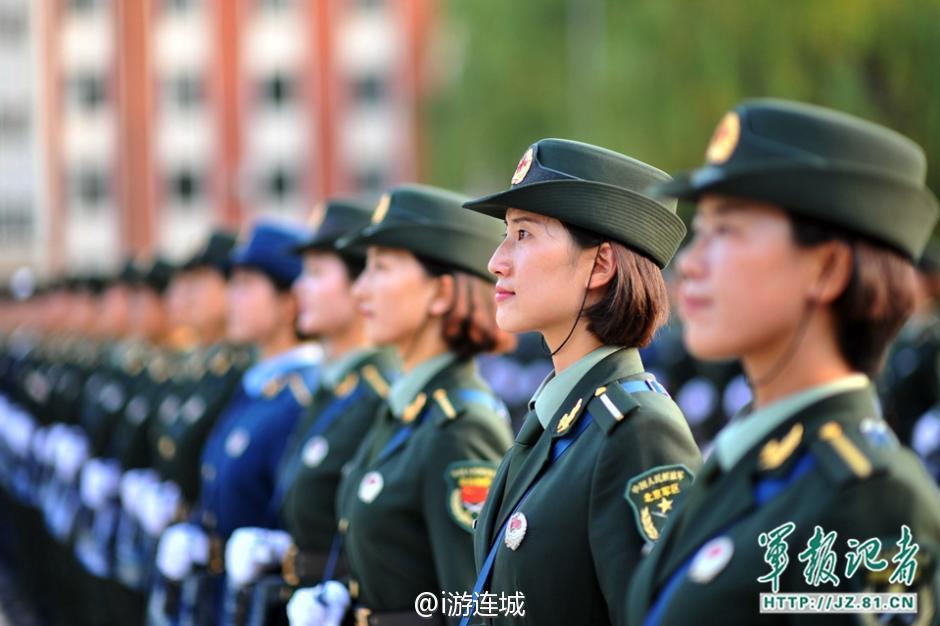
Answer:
(745, 432)
(259, 375)
(405, 389)
(334, 371)
(555, 388)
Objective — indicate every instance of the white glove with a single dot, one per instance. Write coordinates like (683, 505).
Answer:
(251, 551)
(158, 506)
(181, 547)
(70, 452)
(20, 429)
(99, 482)
(133, 483)
(323, 605)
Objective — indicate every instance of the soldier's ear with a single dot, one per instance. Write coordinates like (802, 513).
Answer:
(443, 299)
(605, 266)
(835, 264)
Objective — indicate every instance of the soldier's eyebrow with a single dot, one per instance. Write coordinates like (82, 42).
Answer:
(523, 219)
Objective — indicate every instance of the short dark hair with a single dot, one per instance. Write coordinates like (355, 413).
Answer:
(636, 303)
(879, 297)
(470, 322)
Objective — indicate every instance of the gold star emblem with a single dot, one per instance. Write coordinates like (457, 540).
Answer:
(665, 505)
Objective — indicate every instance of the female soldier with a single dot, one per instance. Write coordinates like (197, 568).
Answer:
(243, 451)
(412, 492)
(807, 223)
(353, 385)
(604, 453)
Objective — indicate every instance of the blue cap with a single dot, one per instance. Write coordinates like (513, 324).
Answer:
(270, 250)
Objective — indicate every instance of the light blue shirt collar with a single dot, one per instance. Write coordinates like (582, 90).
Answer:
(555, 388)
(740, 436)
(405, 389)
(304, 356)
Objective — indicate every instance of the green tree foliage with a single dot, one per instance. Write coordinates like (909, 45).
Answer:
(650, 78)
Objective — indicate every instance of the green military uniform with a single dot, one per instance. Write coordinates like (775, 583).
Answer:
(821, 459)
(604, 455)
(410, 495)
(357, 384)
(407, 510)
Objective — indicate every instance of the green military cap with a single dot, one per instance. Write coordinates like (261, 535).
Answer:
(215, 253)
(340, 217)
(158, 275)
(430, 223)
(595, 189)
(822, 164)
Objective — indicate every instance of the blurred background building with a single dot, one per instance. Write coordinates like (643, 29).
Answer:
(131, 126)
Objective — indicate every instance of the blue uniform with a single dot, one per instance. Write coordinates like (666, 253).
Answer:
(242, 455)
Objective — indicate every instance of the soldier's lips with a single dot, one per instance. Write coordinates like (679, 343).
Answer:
(690, 305)
(502, 294)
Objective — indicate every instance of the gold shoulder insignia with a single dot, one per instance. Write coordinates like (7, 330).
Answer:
(648, 527)
(568, 418)
(414, 409)
(831, 432)
(374, 378)
(299, 389)
(219, 364)
(346, 386)
(273, 387)
(440, 396)
(776, 451)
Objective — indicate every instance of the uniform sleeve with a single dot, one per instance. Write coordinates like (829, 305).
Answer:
(460, 468)
(648, 442)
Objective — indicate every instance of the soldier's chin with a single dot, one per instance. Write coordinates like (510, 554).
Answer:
(510, 323)
(706, 346)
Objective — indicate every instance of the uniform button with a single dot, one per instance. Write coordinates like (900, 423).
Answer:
(343, 525)
(166, 447)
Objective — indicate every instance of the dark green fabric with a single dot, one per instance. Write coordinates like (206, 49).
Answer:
(820, 163)
(583, 540)
(215, 253)
(830, 495)
(405, 541)
(594, 188)
(309, 508)
(184, 416)
(341, 216)
(430, 223)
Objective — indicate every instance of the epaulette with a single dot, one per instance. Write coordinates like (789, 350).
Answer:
(298, 387)
(273, 387)
(346, 386)
(855, 454)
(370, 373)
(219, 364)
(612, 403)
(448, 405)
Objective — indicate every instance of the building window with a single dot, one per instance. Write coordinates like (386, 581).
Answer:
(370, 179)
(276, 90)
(14, 124)
(368, 90)
(369, 5)
(280, 184)
(86, 90)
(180, 6)
(276, 5)
(83, 6)
(184, 91)
(185, 187)
(13, 27)
(89, 188)
(16, 221)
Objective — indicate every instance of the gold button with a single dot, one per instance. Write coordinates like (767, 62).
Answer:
(166, 447)
(343, 525)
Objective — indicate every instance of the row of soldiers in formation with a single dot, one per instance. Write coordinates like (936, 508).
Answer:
(173, 451)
